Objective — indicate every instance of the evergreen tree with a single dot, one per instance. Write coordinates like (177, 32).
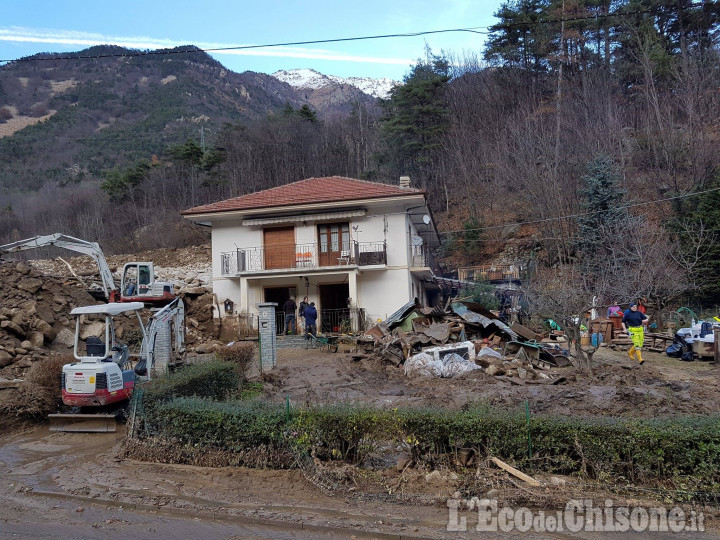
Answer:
(603, 214)
(416, 119)
(518, 40)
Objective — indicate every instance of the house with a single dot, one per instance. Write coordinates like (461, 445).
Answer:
(358, 249)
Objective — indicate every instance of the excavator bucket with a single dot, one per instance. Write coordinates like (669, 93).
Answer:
(84, 423)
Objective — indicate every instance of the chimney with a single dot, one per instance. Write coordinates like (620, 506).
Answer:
(405, 181)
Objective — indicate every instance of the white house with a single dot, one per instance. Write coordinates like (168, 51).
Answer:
(358, 249)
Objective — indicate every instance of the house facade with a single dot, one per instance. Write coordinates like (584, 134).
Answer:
(358, 249)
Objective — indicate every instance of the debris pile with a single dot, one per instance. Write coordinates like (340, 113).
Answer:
(34, 316)
(35, 321)
(461, 338)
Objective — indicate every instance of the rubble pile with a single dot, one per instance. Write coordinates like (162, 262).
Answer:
(462, 338)
(35, 321)
(34, 316)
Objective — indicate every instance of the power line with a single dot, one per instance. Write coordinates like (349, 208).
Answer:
(474, 30)
(573, 216)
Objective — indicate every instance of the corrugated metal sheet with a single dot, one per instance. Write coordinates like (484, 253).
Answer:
(466, 314)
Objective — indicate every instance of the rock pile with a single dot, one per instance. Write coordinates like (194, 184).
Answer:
(33, 316)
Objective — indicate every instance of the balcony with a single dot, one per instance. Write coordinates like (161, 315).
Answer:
(301, 257)
(420, 257)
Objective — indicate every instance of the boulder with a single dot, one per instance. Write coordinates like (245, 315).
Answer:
(29, 308)
(25, 362)
(48, 331)
(23, 268)
(194, 291)
(65, 337)
(6, 359)
(27, 345)
(493, 370)
(30, 284)
(45, 312)
(95, 328)
(10, 326)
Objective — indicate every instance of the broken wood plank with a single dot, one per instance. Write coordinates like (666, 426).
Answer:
(518, 474)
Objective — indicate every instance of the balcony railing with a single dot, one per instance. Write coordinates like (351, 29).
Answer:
(420, 257)
(301, 256)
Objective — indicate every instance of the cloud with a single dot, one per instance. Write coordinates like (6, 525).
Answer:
(85, 39)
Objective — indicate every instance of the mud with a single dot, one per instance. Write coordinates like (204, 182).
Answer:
(618, 387)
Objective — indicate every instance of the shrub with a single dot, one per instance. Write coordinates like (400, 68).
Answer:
(242, 354)
(234, 425)
(40, 393)
(214, 380)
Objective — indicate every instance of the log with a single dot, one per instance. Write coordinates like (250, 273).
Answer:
(518, 474)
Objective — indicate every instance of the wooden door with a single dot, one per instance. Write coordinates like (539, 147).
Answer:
(279, 244)
(334, 244)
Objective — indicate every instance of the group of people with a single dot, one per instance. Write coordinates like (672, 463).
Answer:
(633, 322)
(308, 316)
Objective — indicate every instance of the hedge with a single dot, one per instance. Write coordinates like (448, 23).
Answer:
(214, 380)
(676, 451)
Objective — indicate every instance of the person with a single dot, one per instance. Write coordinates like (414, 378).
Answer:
(641, 306)
(614, 310)
(310, 315)
(130, 289)
(289, 308)
(301, 312)
(632, 322)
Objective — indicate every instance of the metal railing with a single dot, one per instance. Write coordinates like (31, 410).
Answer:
(420, 257)
(491, 272)
(300, 256)
(341, 320)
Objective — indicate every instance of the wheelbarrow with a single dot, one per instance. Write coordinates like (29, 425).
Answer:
(324, 343)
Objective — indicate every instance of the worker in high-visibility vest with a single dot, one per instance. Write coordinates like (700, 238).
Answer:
(633, 323)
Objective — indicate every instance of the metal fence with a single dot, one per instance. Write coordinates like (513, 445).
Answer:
(329, 320)
(299, 256)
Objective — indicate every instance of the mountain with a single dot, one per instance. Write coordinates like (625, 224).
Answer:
(69, 117)
(314, 80)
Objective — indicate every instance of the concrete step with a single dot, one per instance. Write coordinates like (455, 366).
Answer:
(291, 342)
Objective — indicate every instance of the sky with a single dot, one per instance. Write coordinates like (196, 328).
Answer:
(31, 26)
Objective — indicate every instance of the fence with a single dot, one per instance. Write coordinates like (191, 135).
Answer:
(331, 320)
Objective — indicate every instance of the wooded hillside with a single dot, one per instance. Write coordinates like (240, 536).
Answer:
(513, 134)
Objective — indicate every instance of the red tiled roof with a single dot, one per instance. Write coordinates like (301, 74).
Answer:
(311, 190)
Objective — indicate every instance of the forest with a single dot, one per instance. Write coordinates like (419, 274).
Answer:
(586, 132)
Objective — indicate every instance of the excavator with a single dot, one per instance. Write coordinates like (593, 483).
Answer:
(137, 283)
(97, 388)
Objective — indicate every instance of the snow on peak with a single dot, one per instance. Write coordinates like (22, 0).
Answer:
(309, 78)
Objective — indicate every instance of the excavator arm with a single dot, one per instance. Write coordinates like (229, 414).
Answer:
(73, 244)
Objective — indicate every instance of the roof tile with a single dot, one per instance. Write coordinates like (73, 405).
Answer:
(310, 190)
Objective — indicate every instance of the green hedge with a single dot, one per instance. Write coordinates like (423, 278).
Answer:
(682, 452)
(214, 380)
(233, 425)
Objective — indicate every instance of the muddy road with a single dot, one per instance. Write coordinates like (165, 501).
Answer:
(70, 485)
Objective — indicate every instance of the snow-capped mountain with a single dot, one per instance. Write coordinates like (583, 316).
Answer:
(309, 78)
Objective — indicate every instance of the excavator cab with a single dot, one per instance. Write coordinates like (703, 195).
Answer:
(138, 285)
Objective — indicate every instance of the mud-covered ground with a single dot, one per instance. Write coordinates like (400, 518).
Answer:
(72, 485)
(618, 387)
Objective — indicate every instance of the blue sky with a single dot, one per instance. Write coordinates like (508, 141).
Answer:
(31, 26)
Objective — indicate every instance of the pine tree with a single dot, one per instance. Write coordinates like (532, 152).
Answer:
(602, 206)
(416, 118)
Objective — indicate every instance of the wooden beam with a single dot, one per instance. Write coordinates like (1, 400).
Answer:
(518, 474)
